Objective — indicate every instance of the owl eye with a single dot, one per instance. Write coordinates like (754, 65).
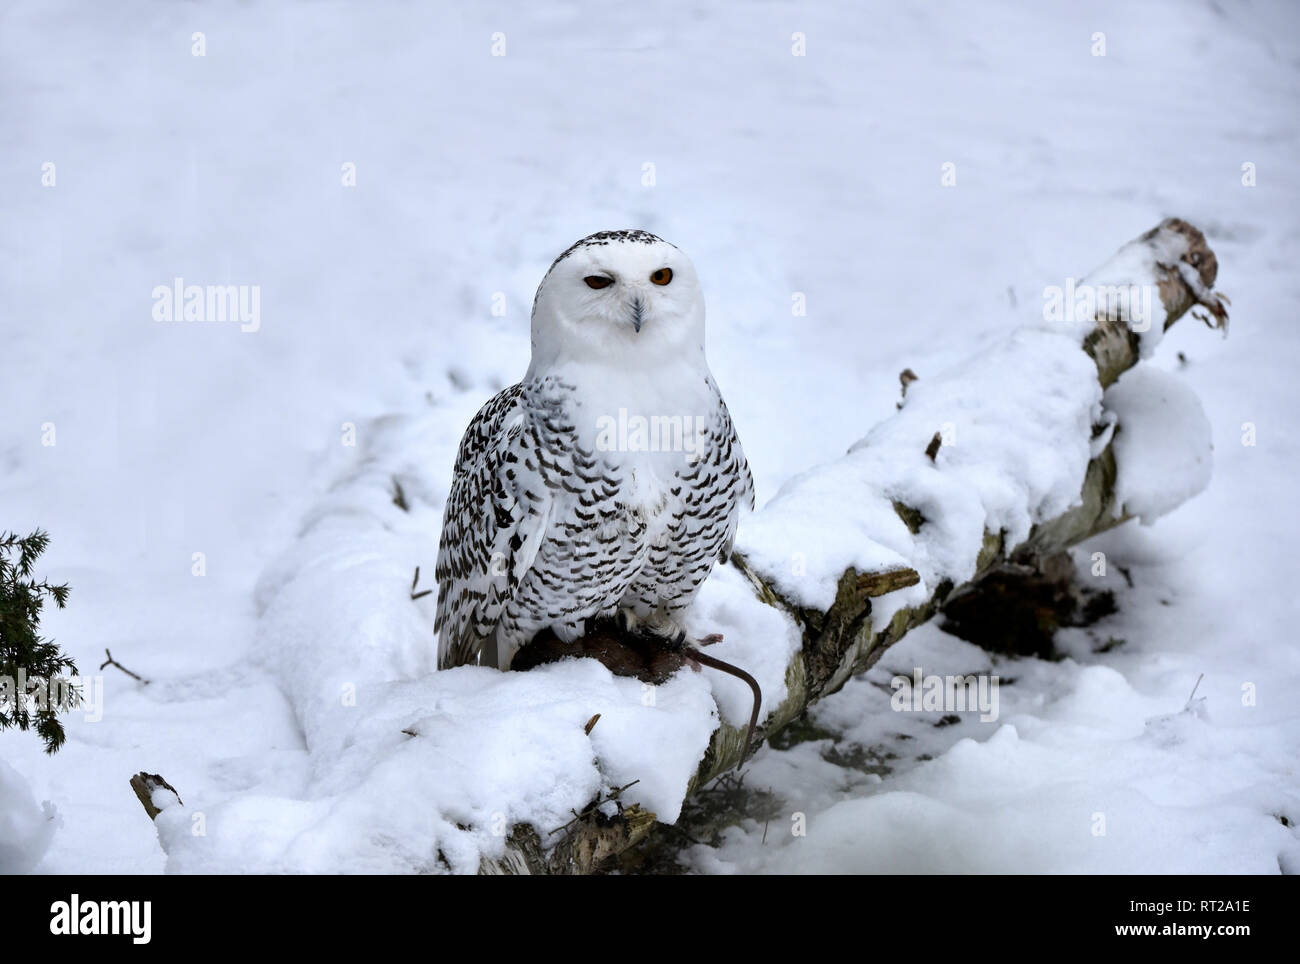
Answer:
(662, 276)
(596, 281)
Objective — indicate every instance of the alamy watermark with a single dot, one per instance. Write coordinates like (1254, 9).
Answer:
(656, 433)
(75, 916)
(181, 302)
(1131, 304)
(948, 694)
(36, 694)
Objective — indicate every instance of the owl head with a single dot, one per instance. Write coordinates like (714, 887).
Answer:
(626, 298)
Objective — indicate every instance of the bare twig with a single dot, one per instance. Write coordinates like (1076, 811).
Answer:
(415, 581)
(112, 662)
(599, 802)
(399, 496)
(1194, 689)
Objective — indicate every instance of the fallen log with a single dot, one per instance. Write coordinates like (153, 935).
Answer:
(845, 636)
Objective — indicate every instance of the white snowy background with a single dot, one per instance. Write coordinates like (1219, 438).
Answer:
(778, 174)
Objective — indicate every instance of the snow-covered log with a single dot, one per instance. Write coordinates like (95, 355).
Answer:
(1012, 457)
(1017, 453)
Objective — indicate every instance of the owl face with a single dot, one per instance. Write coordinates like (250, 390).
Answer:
(627, 297)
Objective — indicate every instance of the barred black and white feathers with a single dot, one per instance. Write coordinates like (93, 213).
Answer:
(610, 479)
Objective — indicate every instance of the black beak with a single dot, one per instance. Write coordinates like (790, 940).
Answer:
(637, 308)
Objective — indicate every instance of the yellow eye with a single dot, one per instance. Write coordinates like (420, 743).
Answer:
(596, 281)
(662, 276)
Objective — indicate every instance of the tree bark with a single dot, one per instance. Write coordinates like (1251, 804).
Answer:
(843, 640)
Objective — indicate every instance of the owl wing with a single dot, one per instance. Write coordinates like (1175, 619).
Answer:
(734, 466)
(496, 516)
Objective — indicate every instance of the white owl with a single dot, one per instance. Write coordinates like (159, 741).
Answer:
(609, 480)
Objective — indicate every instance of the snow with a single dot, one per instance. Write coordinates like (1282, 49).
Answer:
(26, 829)
(779, 175)
(1162, 442)
(1010, 805)
(1015, 420)
(1095, 777)
(448, 764)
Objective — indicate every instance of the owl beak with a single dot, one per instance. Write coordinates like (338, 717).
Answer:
(638, 306)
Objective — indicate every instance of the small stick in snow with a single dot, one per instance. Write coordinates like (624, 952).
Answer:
(399, 496)
(591, 724)
(933, 448)
(600, 802)
(112, 662)
(905, 378)
(414, 581)
(1188, 704)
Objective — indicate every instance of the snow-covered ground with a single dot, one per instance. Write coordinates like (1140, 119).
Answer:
(780, 175)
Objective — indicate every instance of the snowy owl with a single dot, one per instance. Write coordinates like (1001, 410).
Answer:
(609, 480)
